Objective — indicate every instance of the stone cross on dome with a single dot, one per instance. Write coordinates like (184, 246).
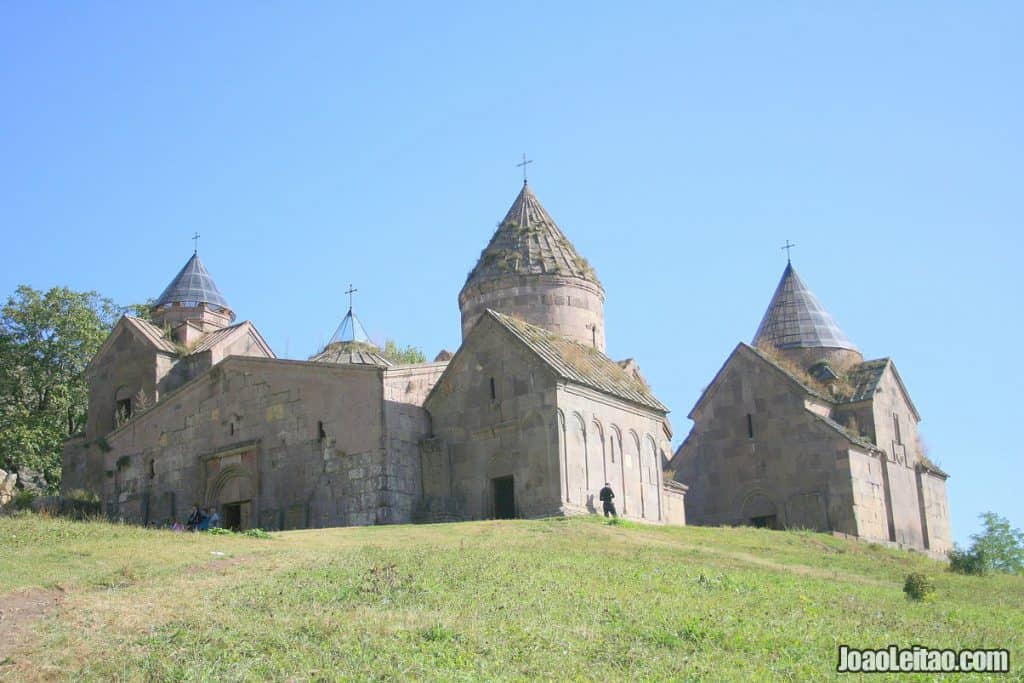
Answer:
(350, 291)
(787, 247)
(523, 164)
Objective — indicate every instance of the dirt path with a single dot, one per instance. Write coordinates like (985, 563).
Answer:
(18, 610)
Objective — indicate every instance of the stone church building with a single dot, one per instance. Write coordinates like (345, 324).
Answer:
(528, 418)
(798, 430)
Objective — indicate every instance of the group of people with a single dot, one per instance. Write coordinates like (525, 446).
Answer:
(200, 519)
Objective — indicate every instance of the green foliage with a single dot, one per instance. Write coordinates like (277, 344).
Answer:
(82, 496)
(46, 340)
(1000, 546)
(399, 356)
(142, 311)
(220, 531)
(23, 500)
(918, 586)
(257, 533)
(970, 562)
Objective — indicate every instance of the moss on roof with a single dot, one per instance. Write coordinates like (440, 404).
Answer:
(581, 364)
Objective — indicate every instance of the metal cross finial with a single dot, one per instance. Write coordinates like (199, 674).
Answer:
(350, 291)
(524, 162)
(195, 243)
(788, 247)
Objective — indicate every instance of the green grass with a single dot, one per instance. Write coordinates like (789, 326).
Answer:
(552, 599)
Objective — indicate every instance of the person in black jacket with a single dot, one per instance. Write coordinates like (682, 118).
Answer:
(606, 495)
(194, 517)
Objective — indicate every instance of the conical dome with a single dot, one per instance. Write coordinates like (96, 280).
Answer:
(193, 285)
(528, 241)
(530, 270)
(193, 298)
(795, 319)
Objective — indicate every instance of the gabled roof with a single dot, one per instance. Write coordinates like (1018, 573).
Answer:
(796, 319)
(227, 334)
(193, 283)
(143, 330)
(578, 363)
(528, 241)
(151, 333)
(865, 378)
(758, 353)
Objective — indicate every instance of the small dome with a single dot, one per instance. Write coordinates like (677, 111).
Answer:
(351, 345)
(351, 353)
(191, 286)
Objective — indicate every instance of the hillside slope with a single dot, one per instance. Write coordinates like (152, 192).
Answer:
(559, 599)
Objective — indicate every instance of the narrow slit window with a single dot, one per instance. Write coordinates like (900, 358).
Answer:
(494, 394)
(750, 426)
(896, 428)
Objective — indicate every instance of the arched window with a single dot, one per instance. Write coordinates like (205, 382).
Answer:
(122, 406)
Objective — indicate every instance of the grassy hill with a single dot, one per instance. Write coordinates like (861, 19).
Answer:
(562, 599)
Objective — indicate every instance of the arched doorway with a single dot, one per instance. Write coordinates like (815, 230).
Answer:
(760, 511)
(231, 492)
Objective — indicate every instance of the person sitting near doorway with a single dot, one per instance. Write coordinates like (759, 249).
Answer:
(214, 518)
(204, 519)
(194, 517)
(606, 495)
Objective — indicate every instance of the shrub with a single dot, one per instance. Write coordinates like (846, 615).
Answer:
(23, 500)
(971, 562)
(82, 496)
(1000, 546)
(219, 531)
(918, 586)
(257, 533)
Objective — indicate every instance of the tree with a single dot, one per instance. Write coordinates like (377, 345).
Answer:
(46, 340)
(144, 311)
(1000, 545)
(406, 356)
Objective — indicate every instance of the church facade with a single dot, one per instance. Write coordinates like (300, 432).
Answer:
(797, 430)
(528, 418)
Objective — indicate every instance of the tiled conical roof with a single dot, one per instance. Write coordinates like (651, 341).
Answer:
(529, 242)
(796, 319)
(192, 284)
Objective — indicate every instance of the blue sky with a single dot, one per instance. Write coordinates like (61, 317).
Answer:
(677, 144)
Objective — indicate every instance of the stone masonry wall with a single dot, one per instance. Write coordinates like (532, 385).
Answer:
(603, 439)
(406, 422)
(903, 448)
(303, 440)
(793, 466)
(567, 306)
(480, 436)
(936, 512)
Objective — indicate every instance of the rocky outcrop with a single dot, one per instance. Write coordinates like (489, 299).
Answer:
(7, 482)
